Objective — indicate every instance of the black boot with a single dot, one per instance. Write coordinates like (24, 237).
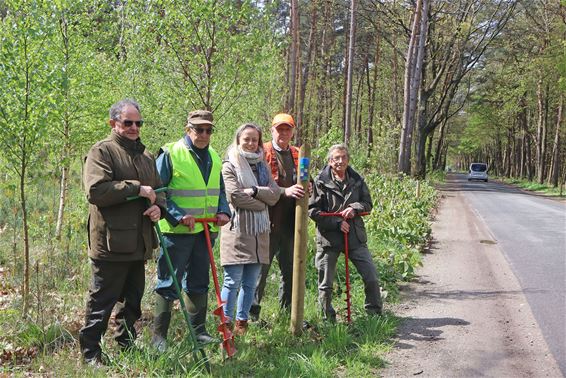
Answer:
(325, 302)
(197, 306)
(161, 322)
(92, 354)
(373, 304)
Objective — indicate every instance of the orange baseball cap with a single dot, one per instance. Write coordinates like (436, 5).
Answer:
(283, 119)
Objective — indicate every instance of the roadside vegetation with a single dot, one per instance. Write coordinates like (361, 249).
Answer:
(533, 186)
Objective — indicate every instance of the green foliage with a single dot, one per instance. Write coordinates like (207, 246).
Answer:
(398, 227)
(318, 153)
(502, 112)
(52, 336)
(25, 81)
(535, 186)
(398, 214)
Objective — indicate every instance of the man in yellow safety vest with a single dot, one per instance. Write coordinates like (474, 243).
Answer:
(192, 171)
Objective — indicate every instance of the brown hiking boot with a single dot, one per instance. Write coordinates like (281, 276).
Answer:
(241, 327)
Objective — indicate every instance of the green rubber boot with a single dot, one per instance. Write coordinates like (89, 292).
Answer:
(161, 320)
(197, 307)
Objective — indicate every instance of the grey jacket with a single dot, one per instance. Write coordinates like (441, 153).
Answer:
(328, 197)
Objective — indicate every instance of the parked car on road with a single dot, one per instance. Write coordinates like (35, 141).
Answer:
(478, 171)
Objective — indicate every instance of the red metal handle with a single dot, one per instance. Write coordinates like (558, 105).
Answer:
(347, 265)
(326, 214)
(228, 337)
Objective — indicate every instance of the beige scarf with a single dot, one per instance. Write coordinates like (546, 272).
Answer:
(248, 221)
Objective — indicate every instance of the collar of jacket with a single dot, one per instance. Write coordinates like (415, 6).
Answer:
(326, 177)
(135, 146)
(277, 148)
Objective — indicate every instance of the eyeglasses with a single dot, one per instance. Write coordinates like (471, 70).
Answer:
(200, 130)
(130, 123)
(339, 158)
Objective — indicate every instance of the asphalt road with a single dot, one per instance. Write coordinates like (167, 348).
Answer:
(489, 300)
(530, 230)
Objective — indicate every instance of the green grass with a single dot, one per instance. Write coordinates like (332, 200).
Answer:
(44, 342)
(544, 188)
(322, 350)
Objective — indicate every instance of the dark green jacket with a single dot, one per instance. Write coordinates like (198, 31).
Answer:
(328, 197)
(114, 169)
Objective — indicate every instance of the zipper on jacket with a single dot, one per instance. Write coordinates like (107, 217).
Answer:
(256, 250)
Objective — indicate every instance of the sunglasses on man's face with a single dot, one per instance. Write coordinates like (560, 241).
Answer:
(130, 123)
(200, 130)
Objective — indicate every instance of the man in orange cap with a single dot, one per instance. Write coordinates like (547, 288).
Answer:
(282, 159)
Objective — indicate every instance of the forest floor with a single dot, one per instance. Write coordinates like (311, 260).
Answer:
(465, 313)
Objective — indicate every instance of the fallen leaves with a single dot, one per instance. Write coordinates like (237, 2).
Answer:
(18, 356)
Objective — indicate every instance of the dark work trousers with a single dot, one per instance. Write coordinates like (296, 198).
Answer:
(113, 283)
(280, 245)
(189, 256)
(325, 261)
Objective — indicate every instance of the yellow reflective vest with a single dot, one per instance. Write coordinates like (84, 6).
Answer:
(188, 189)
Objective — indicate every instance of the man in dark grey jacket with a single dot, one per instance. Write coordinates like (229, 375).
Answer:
(120, 233)
(340, 189)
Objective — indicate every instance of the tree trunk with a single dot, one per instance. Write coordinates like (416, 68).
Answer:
(422, 97)
(359, 106)
(556, 163)
(529, 165)
(429, 149)
(443, 157)
(541, 133)
(349, 76)
(311, 52)
(410, 95)
(508, 159)
(22, 176)
(439, 145)
(524, 127)
(23, 205)
(65, 155)
(327, 46)
(395, 80)
(294, 56)
(63, 187)
(372, 89)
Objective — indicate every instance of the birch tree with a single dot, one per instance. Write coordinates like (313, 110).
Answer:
(26, 103)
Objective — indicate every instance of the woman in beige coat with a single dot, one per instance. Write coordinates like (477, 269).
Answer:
(244, 242)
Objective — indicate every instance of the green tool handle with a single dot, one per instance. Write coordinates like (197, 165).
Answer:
(192, 336)
(175, 282)
(158, 190)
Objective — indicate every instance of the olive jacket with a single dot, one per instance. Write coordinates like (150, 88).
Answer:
(114, 169)
(328, 197)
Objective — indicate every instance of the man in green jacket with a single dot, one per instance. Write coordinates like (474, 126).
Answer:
(120, 232)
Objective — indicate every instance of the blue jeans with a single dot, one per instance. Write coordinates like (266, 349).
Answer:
(189, 256)
(241, 277)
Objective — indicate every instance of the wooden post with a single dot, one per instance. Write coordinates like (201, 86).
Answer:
(300, 246)
(418, 191)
